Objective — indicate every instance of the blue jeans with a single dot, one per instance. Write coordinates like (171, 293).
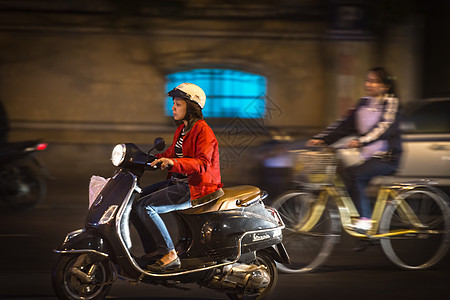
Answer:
(357, 178)
(159, 198)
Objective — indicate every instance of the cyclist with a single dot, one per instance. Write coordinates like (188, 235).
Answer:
(374, 122)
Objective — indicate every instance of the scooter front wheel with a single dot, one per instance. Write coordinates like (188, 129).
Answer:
(82, 276)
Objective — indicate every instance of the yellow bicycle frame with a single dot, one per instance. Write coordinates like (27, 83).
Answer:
(347, 211)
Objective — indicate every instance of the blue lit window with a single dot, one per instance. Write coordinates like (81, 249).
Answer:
(229, 93)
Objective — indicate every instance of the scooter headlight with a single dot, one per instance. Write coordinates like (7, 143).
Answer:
(118, 154)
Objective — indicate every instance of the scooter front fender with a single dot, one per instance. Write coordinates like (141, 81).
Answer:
(84, 241)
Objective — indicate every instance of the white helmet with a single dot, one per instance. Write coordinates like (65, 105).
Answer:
(189, 91)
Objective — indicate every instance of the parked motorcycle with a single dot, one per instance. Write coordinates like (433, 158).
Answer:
(229, 244)
(22, 183)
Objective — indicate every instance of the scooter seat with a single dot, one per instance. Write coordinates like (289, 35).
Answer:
(234, 197)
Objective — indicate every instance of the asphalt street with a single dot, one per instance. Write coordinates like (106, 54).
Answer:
(27, 241)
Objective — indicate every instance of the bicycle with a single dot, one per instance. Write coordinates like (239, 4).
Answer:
(411, 220)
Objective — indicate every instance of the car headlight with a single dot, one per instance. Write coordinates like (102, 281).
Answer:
(118, 154)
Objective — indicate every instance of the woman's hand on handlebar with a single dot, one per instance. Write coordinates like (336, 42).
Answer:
(315, 143)
(354, 144)
(318, 143)
(163, 162)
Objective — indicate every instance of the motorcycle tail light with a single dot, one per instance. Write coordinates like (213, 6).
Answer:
(42, 146)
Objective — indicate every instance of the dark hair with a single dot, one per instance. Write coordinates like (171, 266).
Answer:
(193, 113)
(386, 79)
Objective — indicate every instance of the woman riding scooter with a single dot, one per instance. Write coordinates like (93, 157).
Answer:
(193, 178)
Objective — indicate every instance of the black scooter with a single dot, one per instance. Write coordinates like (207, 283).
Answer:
(229, 244)
(22, 175)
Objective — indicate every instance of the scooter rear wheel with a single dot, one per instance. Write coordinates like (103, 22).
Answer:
(266, 260)
(30, 187)
(82, 276)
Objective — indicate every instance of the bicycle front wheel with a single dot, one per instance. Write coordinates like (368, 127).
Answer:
(426, 214)
(310, 245)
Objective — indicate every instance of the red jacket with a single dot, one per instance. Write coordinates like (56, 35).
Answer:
(200, 161)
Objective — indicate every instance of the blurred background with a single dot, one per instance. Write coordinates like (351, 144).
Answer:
(84, 75)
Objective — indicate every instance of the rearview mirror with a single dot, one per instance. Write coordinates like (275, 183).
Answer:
(159, 144)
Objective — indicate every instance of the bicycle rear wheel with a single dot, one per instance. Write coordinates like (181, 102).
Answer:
(307, 249)
(425, 248)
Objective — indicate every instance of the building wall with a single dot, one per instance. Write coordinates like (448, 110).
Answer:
(52, 77)
(98, 79)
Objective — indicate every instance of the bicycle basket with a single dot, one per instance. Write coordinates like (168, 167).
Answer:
(313, 166)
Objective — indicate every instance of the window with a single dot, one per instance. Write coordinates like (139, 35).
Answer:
(427, 117)
(229, 93)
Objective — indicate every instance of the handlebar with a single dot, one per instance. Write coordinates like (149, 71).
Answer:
(344, 143)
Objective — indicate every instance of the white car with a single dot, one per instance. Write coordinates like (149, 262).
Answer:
(426, 141)
(425, 129)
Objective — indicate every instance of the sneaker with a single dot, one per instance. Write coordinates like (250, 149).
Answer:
(363, 224)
